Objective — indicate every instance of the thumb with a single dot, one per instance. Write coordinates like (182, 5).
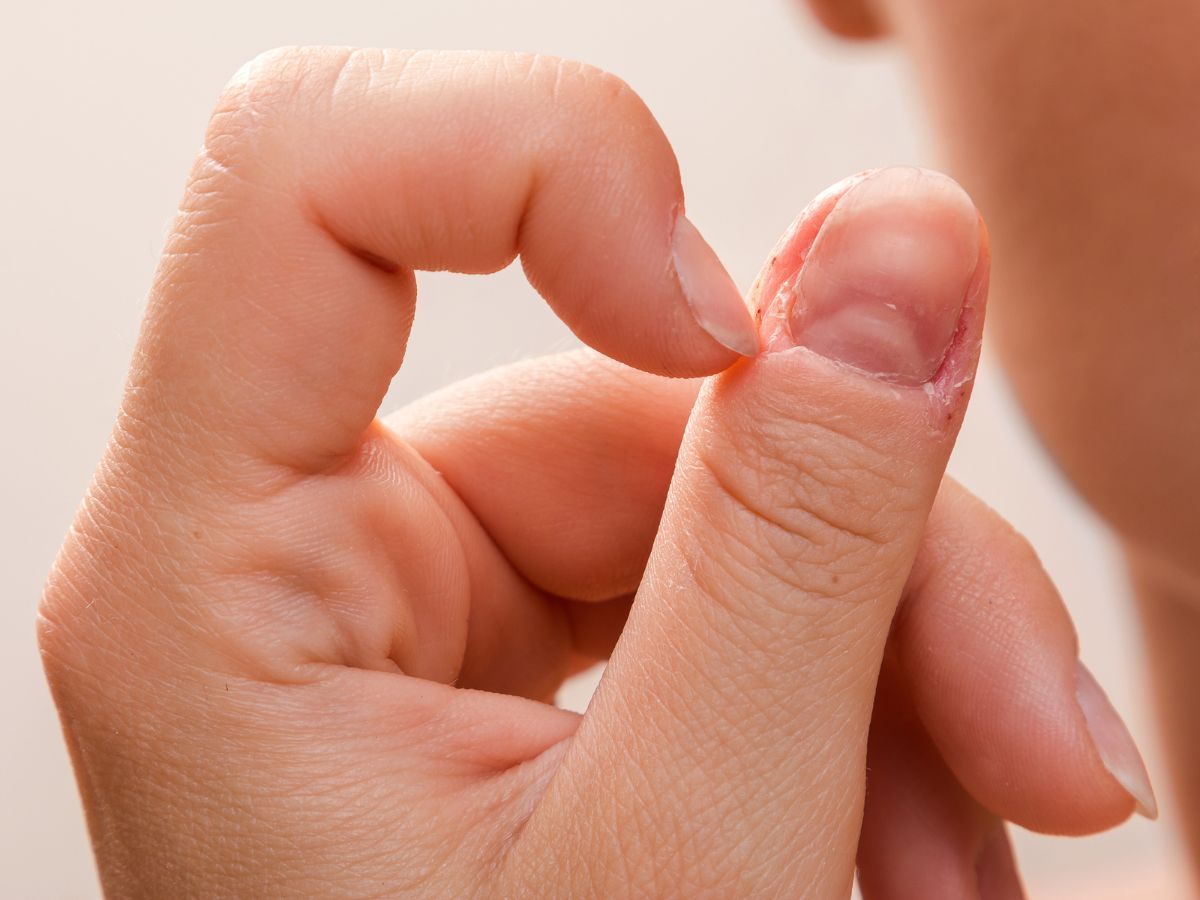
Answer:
(725, 750)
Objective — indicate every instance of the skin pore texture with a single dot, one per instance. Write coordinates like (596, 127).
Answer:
(1071, 125)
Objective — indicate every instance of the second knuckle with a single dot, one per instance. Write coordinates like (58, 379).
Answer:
(250, 121)
(603, 104)
(816, 519)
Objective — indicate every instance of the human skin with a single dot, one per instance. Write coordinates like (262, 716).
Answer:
(299, 651)
(1072, 124)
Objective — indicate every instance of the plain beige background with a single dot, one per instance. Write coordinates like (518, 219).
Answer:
(104, 107)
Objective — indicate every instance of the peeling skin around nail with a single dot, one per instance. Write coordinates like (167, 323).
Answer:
(773, 327)
(775, 292)
(776, 336)
(792, 248)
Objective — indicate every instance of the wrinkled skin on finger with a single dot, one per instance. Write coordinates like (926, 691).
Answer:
(295, 651)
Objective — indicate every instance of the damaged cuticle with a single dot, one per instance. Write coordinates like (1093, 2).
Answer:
(877, 277)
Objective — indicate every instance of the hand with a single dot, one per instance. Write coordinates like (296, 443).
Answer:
(295, 652)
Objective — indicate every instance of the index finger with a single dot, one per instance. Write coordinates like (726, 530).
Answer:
(282, 307)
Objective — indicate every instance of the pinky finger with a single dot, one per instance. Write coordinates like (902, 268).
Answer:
(923, 836)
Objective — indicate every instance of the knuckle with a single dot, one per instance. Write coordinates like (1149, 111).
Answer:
(52, 635)
(603, 87)
(275, 75)
(823, 492)
(106, 608)
(74, 636)
(259, 86)
(255, 135)
(255, 104)
(816, 518)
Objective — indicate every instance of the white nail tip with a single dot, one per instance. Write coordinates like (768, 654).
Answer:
(1114, 743)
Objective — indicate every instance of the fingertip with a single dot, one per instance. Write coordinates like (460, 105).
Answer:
(882, 276)
(1022, 726)
(886, 281)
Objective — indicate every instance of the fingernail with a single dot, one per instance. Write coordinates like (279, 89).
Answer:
(996, 871)
(1114, 743)
(714, 299)
(883, 287)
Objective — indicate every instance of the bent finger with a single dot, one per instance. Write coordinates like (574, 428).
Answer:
(991, 658)
(923, 835)
(565, 461)
(285, 297)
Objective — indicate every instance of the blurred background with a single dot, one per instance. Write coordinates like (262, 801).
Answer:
(104, 107)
